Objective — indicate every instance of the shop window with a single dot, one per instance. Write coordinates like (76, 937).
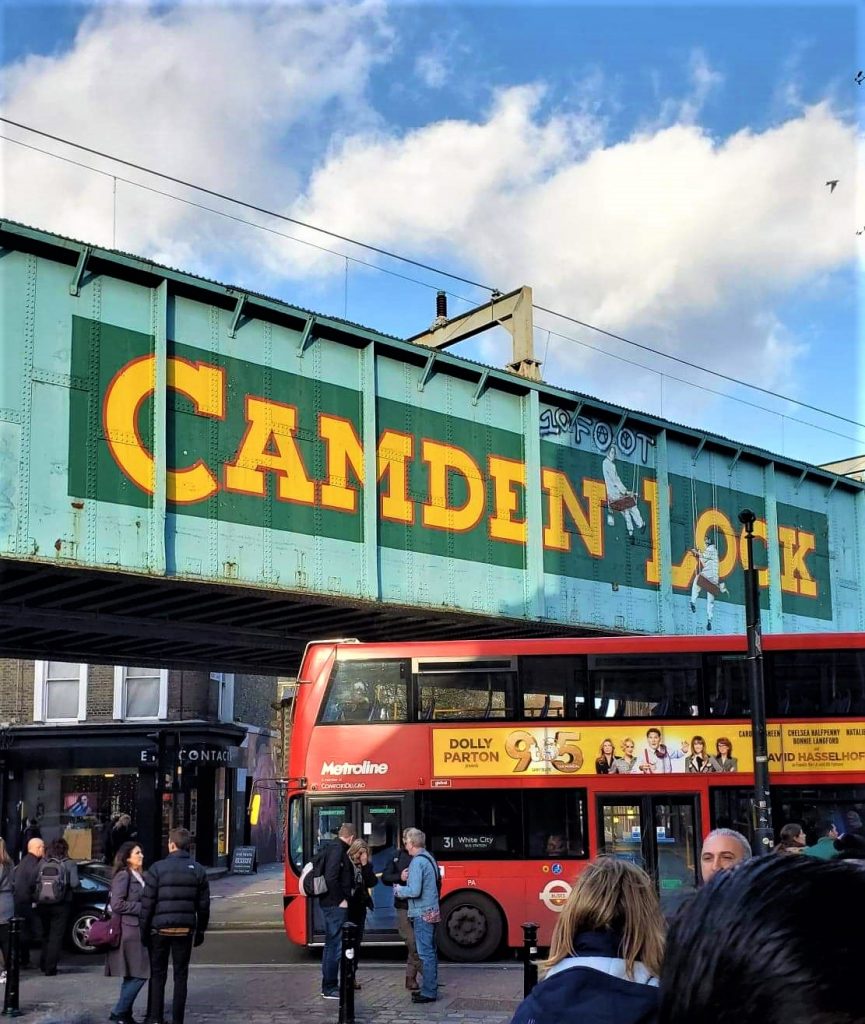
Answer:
(140, 693)
(60, 691)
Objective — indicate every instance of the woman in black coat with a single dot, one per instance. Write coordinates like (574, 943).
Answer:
(360, 900)
(130, 961)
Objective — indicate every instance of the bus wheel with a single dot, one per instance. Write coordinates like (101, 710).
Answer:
(471, 927)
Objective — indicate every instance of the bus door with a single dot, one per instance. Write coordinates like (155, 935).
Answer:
(379, 822)
(659, 832)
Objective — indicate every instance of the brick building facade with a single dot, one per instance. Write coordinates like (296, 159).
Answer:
(169, 747)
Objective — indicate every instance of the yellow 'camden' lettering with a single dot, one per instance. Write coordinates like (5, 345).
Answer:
(202, 383)
(458, 492)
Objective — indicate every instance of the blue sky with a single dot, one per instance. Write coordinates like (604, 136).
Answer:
(655, 170)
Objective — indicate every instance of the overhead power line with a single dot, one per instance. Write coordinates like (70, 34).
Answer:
(703, 369)
(245, 204)
(395, 256)
(233, 217)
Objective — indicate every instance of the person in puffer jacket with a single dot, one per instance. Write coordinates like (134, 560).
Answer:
(606, 952)
(175, 912)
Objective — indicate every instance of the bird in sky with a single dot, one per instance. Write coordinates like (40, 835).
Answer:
(860, 77)
(832, 185)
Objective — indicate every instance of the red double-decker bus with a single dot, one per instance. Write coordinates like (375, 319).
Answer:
(523, 759)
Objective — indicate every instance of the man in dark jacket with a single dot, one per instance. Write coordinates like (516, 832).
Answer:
(392, 875)
(31, 831)
(24, 893)
(338, 872)
(175, 912)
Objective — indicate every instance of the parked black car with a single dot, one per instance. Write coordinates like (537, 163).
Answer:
(89, 901)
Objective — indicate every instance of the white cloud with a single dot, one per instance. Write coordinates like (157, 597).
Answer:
(432, 69)
(670, 235)
(236, 99)
(666, 231)
(704, 80)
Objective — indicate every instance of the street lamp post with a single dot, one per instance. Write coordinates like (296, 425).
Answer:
(762, 805)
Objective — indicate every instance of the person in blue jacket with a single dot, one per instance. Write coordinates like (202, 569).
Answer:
(606, 952)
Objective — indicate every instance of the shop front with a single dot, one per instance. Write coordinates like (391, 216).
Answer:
(74, 779)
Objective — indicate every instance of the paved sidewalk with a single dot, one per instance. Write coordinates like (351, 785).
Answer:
(248, 901)
(286, 994)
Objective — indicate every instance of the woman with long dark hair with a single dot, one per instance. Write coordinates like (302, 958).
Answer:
(130, 961)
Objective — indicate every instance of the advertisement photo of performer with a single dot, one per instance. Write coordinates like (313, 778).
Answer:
(655, 758)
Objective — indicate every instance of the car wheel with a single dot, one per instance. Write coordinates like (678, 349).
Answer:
(80, 927)
(471, 928)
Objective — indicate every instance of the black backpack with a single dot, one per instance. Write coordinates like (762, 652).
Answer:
(52, 881)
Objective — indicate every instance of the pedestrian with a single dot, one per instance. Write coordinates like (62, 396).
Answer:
(422, 880)
(824, 848)
(360, 900)
(392, 875)
(791, 840)
(723, 849)
(24, 894)
(30, 831)
(130, 961)
(117, 832)
(606, 951)
(749, 949)
(175, 912)
(7, 903)
(338, 873)
(56, 880)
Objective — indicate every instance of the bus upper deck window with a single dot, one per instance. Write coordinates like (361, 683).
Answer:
(366, 691)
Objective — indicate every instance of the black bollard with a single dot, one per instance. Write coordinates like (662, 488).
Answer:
(13, 970)
(347, 964)
(530, 950)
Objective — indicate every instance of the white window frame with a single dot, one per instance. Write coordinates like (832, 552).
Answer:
(40, 696)
(119, 711)
(225, 706)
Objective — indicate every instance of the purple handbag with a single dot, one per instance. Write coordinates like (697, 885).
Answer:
(106, 932)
